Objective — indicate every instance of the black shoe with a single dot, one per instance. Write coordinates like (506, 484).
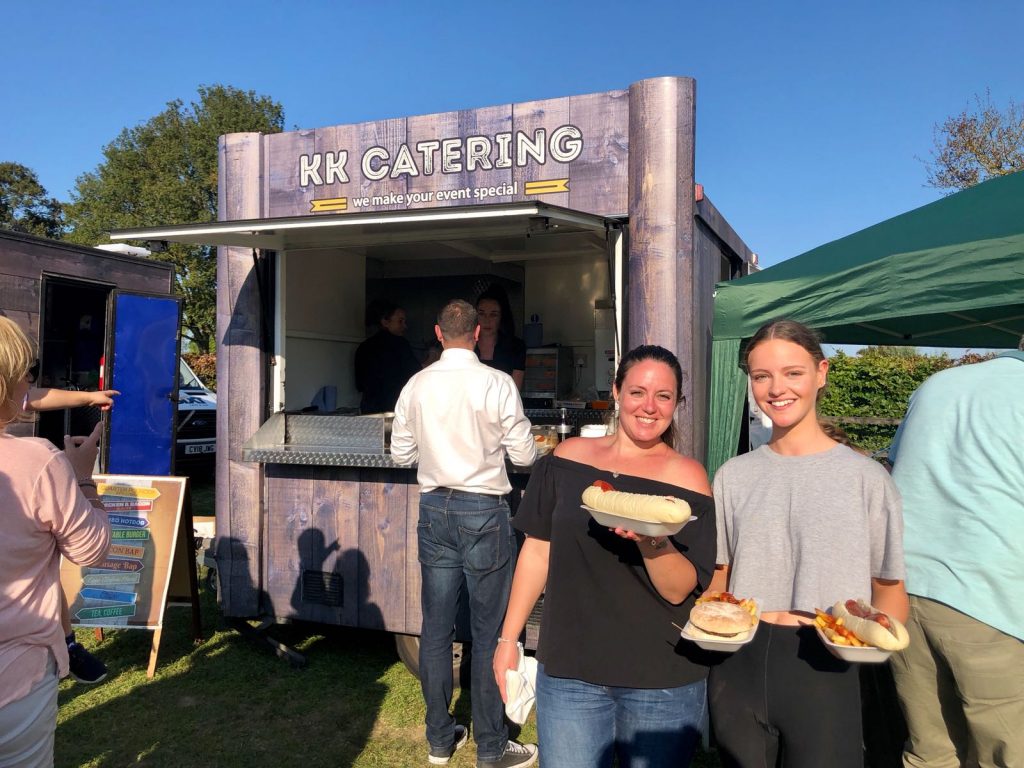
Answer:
(442, 756)
(85, 667)
(516, 754)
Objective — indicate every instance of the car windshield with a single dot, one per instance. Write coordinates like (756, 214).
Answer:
(187, 379)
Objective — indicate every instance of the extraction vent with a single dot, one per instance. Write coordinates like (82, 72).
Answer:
(322, 588)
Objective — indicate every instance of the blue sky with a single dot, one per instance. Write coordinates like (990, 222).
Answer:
(811, 115)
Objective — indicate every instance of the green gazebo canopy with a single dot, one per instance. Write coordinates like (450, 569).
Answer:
(950, 273)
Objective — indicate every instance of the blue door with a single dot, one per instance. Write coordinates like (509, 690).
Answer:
(144, 367)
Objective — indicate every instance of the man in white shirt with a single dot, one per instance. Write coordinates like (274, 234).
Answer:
(459, 419)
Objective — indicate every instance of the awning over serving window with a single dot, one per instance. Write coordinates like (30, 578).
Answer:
(507, 227)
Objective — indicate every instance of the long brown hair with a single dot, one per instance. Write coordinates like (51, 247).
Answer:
(659, 355)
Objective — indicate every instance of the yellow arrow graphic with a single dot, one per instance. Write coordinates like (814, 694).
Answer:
(329, 204)
(132, 492)
(546, 187)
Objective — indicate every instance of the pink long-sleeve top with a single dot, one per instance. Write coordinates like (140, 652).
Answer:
(43, 515)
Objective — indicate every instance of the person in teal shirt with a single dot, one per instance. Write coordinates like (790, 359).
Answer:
(958, 461)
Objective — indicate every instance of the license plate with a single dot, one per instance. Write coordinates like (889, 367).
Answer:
(201, 448)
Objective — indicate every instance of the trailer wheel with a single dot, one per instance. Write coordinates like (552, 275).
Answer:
(408, 647)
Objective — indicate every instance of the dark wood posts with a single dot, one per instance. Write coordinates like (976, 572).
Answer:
(661, 229)
(241, 397)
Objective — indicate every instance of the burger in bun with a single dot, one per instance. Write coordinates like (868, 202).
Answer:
(720, 621)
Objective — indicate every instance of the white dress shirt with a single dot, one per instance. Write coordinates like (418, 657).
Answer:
(459, 418)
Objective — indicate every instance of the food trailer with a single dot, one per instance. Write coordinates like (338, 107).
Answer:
(584, 209)
(101, 318)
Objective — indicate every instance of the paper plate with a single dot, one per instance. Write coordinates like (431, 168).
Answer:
(867, 654)
(724, 644)
(643, 527)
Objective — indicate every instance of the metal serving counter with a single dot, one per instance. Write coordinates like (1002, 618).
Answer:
(325, 439)
(342, 440)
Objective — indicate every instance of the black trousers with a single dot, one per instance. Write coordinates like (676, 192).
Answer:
(784, 701)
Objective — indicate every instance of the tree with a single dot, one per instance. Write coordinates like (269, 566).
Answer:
(975, 146)
(165, 172)
(25, 205)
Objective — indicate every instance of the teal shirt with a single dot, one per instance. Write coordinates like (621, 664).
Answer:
(958, 460)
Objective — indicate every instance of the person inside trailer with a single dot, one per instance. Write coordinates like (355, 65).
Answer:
(498, 346)
(385, 361)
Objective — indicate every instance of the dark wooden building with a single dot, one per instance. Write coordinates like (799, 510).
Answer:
(60, 294)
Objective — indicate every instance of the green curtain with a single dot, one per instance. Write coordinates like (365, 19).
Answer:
(728, 388)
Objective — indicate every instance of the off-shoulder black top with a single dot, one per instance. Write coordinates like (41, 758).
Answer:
(603, 620)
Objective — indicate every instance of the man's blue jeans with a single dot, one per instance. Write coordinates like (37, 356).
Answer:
(467, 535)
(581, 725)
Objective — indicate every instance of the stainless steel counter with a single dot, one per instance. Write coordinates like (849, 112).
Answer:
(318, 456)
(326, 439)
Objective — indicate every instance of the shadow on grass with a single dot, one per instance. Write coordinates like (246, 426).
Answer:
(225, 702)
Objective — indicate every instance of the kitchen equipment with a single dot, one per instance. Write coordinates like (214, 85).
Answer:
(548, 372)
(564, 428)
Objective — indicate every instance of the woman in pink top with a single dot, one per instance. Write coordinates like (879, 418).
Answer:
(48, 508)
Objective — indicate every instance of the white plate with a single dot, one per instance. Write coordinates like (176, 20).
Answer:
(642, 527)
(869, 654)
(724, 645)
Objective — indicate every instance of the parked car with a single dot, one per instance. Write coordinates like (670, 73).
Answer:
(197, 424)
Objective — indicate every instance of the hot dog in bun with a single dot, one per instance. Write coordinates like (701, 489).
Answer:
(636, 506)
(871, 625)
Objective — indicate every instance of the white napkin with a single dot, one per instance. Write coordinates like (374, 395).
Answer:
(521, 688)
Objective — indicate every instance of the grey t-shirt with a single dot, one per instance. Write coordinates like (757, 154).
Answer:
(801, 532)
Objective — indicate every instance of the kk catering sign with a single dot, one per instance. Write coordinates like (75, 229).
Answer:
(452, 155)
(571, 152)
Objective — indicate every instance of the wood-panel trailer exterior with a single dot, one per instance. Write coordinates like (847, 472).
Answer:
(626, 155)
(27, 261)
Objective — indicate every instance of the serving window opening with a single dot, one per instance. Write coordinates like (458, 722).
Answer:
(559, 282)
(562, 270)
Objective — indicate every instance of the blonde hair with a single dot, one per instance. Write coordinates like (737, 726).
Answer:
(17, 354)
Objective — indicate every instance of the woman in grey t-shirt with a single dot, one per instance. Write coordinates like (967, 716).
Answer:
(802, 523)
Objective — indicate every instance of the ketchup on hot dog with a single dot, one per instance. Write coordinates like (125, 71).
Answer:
(880, 618)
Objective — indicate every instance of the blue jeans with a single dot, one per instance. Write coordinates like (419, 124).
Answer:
(464, 538)
(580, 725)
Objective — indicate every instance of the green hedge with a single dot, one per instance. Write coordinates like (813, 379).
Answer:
(877, 383)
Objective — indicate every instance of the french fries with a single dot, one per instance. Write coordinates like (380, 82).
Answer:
(747, 603)
(835, 631)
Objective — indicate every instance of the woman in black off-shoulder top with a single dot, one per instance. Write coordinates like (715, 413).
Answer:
(614, 677)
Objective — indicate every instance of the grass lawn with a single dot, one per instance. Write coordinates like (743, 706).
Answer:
(226, 702)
